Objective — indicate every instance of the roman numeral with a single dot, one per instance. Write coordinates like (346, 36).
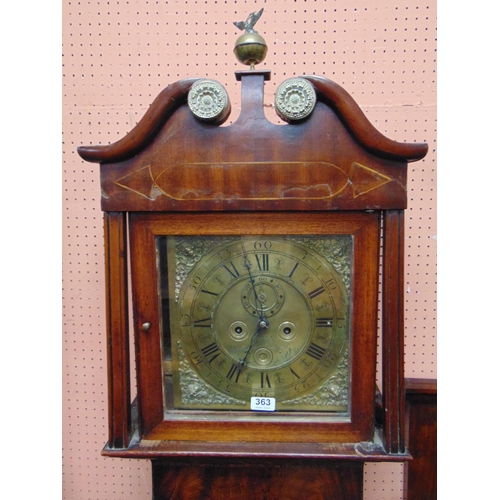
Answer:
(203, 323)
(264, 380)
(295, 374)
(324, 322)
(234, 370)
(209, 350)
(264, 263)
(234, 272)
(316, 292)
(331, 284)
(293, 270)
(315, 351)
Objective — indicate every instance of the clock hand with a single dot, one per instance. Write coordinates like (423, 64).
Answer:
(247, 265)
(263, 325)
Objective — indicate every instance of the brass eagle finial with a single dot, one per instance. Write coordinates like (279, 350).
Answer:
(250, 21)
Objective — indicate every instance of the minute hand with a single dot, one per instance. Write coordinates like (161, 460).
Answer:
(263, 325)
(258, 302)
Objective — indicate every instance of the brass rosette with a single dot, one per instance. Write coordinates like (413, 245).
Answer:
(295, 99)
(209, 101)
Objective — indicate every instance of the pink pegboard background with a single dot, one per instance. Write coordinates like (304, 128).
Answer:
(117, 57)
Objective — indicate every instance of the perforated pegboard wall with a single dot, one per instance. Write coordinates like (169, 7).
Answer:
(119, 54)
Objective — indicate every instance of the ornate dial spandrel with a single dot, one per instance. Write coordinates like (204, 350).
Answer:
(334, 391)
(193, 389)
(188, 250)
(337, 250)
(260, 315)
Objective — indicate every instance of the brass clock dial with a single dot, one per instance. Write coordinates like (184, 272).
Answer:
(260, 316)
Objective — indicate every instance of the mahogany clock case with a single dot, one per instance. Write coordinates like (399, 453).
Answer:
(331, 173)
(158, 423)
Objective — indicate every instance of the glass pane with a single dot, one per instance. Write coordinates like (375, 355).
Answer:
(256, 316)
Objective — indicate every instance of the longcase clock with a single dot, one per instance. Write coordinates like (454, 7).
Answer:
(263, 258)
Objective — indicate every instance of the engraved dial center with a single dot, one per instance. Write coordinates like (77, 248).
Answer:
(262, 326)
(263, 296)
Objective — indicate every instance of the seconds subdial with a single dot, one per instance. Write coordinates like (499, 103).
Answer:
(273, 334)
(264, 297)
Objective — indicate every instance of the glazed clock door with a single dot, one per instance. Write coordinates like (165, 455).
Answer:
(260, 316)
(255, 326)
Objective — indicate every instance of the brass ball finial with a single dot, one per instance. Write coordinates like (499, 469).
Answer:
(250, 48)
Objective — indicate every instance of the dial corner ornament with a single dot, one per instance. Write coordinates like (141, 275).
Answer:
(264, 316)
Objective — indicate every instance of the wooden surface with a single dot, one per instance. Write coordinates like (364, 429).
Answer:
(208, 450)
(358, 427)
(332, 173)
(393, 329)
(421, 408)
(263, 480)
(333, 160)
(117, 315)
(175, 95)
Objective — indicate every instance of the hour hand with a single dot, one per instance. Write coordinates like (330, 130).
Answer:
(258, 302)
(262, 325)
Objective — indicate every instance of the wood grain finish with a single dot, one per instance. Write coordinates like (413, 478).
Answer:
(210, 427)
(421, 415)
(393, 329)
(331, 173)
(225, 480)
(146, 130)
(207, 450)
(175, 95)
(355, 120)
(334, 160)
(119, 413)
